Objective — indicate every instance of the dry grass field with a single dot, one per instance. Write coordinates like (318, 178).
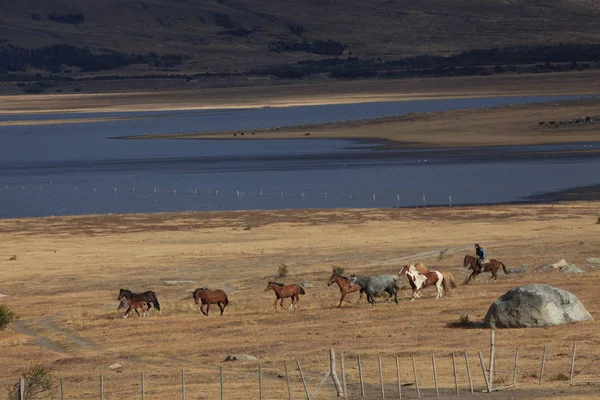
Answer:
(68, 271)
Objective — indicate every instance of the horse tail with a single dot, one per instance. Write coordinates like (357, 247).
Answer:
(302, 290)
(504, 268)
(226, 301)
(451, 281)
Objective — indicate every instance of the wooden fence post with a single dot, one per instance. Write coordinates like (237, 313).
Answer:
(343, 375)
(435, 379)
(414, 363)
(360, 375)
(182, 384)
(492, 358)
(332, 369)
(515, 369)
(62, 389)
(381, 379)
(101, 387)
(398, 376)
(287, 380)
(143, 385)
(485, 376)
(303, 380)
(21, 389)
(222, 383)
(572, 364)
(543, 365)
(455, 374)
(469, 372)
(260, 393)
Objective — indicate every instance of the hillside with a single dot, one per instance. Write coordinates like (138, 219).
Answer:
(235, 35)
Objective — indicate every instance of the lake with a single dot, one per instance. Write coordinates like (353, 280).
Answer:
(78, 168)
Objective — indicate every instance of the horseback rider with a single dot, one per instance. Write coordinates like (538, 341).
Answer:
(481, 255)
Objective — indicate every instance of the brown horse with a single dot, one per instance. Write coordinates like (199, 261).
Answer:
(344, 284)
(282, 292)
(208, 297)
(491, 266)
(133, 304)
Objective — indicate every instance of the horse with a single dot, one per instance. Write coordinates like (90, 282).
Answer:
(375, 285)
(418, 281)
(132, 304)
(344, 284)
(148, 297)
(282, 292)
(208, 297)
(491, 266)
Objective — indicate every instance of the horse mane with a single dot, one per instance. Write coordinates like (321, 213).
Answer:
(203, 288)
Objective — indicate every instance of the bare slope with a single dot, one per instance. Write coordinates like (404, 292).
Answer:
(378, 28)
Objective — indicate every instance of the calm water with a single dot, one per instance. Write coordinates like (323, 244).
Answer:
(79, 168)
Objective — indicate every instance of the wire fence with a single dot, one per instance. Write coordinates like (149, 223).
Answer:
(370, 375)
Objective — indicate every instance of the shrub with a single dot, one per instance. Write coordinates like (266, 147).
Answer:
(443, 254)
(560, 377)
(282, 271)
(6, 317)
(37, 378)
(337, 271)
(464, 322)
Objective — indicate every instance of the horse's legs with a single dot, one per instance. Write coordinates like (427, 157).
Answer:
(342, 299)
(222, 308)
(202, 309)
(276, 300)
(281, 303)
(127, 312)
(207, 307)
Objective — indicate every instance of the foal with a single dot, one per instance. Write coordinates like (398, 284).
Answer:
(282, 292)
(133, 304)
(209, 297)
(344, 284)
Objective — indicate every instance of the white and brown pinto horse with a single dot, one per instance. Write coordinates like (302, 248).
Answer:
(418, 281)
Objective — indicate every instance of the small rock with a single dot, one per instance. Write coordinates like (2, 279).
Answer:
(560, 264)
(115, 366)
(544, 267)
(593, 260)
(3, 295)
(524, 265)
(13, 258)
(306, 284)
(240, 357)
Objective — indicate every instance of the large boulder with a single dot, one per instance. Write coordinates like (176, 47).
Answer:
(535, 305)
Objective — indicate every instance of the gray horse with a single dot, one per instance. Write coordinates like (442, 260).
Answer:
(374, 286)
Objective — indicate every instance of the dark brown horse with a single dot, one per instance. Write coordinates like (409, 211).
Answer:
(282, 292)
(132, 304)
(491, 266)
(344, 284)
(148, 297)
(208, 297)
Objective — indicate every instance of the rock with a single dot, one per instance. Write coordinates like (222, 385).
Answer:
(240, 357)
(13, 258)
(524, 265)
(3, 295)
(306, 284)
(177, 282)
(571, 269)
(115, 366)
(560, 264)
(595, 261)
(535, 305)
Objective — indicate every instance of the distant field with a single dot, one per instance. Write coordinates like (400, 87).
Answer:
(68, 271)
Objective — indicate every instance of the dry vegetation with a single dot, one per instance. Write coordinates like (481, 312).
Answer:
(66, 277)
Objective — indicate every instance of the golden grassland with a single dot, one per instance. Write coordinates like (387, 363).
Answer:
(68, 272)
